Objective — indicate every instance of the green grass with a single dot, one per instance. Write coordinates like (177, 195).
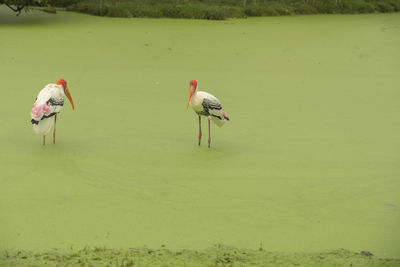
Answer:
(223, 9)
(169, 10)
(308, 162)
(215, 256)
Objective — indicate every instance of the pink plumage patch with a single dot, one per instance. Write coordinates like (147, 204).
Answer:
(39, 110)
(224, 115)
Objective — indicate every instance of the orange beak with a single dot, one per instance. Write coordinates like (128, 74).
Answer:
(192, 89)
(190, 96)
(68, 94)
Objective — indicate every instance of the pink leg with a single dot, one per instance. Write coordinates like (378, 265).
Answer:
(199, 129)
(54, 133)
(44, 138)
(209, 134)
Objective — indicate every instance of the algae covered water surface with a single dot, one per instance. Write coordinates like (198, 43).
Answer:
(309, 161)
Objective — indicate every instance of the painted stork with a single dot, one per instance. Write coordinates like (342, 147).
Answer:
(205, 104)
(48, 103)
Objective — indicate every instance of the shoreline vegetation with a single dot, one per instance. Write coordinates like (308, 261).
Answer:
(224, 9)
(219, 255)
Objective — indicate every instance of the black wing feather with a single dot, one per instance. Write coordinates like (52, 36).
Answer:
(209, 104)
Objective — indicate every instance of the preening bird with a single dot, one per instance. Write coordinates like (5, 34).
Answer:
(48, 104)
(205, 104)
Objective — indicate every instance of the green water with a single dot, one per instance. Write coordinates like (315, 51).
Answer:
(308, 162)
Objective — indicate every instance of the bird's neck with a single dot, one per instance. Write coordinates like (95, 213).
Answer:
(195, 95)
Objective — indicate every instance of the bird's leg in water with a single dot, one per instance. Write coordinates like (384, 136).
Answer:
(209, 134)
(199, 129)
(44, 137)
(54, 133)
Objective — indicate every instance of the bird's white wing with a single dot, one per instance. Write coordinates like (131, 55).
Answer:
(48, 103)
(212, 106)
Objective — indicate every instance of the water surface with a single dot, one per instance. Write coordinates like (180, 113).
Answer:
(308, 162)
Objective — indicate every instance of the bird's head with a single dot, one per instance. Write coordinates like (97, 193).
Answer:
(192, 88)
(63, 83)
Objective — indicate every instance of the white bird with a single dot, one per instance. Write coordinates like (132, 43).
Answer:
(48, 103)
(205, 104)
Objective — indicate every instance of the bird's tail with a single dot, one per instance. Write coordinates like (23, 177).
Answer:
(44, 126)
(220, 121)
(36, 128)
(224, 115)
